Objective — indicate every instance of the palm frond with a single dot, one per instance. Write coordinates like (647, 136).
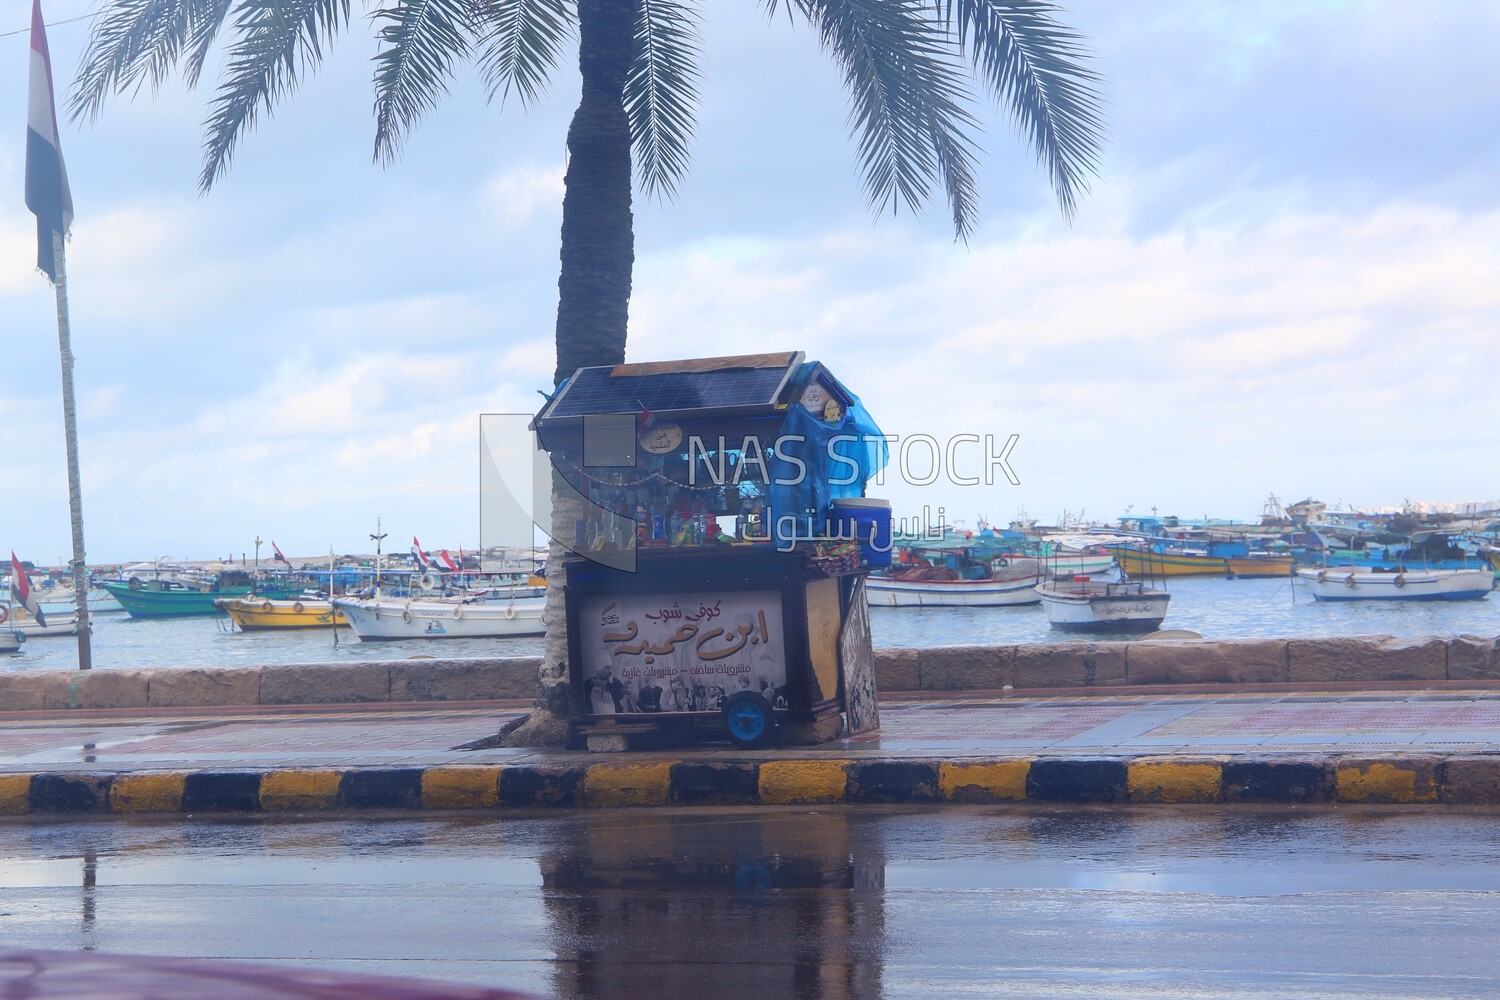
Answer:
(519, 44)
(420, 40)
(661, 93)
(207, 20)
(1037, 68)
(136, 42)
(909, 102)
(276, 40)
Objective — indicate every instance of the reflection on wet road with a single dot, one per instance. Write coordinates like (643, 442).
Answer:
(814, 903)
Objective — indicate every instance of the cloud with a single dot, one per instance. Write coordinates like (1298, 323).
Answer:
(514, 198)
(1285, 278)
(1163, 362)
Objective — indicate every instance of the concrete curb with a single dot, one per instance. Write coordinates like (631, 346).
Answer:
(1414, 779)
(1031, 667)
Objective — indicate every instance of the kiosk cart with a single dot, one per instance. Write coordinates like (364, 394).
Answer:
(717, 586)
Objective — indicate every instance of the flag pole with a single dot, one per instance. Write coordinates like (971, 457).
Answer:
(70, 431)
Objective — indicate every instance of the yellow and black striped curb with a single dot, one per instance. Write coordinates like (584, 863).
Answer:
(1459, 779)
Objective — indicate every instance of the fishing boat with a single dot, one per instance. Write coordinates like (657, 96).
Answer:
(26, 618)
(175, 598)
(1068, 555)
(908, 592)
(486, 616)
(1171, 560)
(254, 613)
(1430, 549)
(49, 627)
(10, 640)
(1258, 564)
(1091, 606)
(62, 602)
(949, 575)
(1366, 583)
(1096, 566)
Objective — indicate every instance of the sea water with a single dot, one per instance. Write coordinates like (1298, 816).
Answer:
(1215, 608)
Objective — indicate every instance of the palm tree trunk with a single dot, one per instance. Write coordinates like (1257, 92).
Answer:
(598, 254)
(598, 238)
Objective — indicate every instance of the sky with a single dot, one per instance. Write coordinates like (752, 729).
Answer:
(1285, 279)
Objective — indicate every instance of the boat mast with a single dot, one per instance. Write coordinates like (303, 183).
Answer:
(377, 538)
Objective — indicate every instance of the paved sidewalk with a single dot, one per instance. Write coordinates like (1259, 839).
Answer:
(1422, 745)
(1258, 723)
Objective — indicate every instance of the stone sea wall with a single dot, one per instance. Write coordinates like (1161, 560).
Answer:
(1351, 659)
(1029, 667)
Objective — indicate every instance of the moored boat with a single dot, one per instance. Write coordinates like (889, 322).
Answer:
(896, 592)
(61, 602)
(1253, 566)
(1069, 565)
(1363, 583)
(10, 640)
(56, 626)
(254, 613)
(385, 619)
(1085, 605)
(1141, 561)
(178, 598)
(946, 575)
(1066, 555)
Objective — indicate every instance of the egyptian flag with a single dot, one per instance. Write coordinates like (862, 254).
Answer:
(20, 591)
(644, 421)
(277, 556)
(419, 555)
(447, 560)
(47, 192)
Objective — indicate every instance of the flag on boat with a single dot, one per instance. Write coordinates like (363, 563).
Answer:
(447, 560)
(423, 562)
(20, 591)
(277, 556)
(47, 193)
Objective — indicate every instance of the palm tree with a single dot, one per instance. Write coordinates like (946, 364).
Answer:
(909, 66)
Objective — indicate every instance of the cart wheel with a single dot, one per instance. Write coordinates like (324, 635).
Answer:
(747, 719)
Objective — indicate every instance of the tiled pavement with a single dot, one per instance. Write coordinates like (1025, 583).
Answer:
(1230, 723)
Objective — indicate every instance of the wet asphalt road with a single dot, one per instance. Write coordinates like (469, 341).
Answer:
(816, 903)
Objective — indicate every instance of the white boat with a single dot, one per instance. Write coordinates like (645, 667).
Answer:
(884, 591)
(1379, 583)
(1096, 567)
(57, 627)
(1070, 554)
(1086, 605)
(15, 618)
(381, 619)
(10, 640)
(60, 602)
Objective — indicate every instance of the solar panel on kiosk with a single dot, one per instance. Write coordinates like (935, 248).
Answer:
(593, 390)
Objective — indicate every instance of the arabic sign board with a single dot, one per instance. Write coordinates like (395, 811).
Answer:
(666, 653)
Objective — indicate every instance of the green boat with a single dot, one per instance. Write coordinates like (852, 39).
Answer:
(177, 598)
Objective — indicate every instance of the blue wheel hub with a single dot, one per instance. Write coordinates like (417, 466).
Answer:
(747, 721)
